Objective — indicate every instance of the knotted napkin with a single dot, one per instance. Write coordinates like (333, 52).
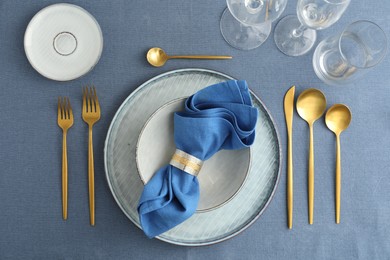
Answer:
(217, 117)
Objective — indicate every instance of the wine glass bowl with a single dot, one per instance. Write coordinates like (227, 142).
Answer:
(342, 58)
(319, 15)
(295, 36)
(246, 24)
(255, 12)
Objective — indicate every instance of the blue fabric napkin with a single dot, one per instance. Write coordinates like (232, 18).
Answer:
(218, 117)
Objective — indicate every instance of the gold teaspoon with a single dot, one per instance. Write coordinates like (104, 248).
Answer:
(157, 57)
(311, 105)
(338, 119)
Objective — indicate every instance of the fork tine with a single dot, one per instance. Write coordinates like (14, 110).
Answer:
(59, 108)
(97, 104)
(93, 93)
(84, 101)
(86, 98)
(96, 100)
(70, 110)
(89, 103)
(90, 98)
(93, 100)
(62, 108)
(67, 108)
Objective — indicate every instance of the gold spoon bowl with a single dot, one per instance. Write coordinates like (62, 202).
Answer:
(338, 118)
(311, 105)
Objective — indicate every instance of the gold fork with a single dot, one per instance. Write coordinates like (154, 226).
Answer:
(91, 114)
(65, 121)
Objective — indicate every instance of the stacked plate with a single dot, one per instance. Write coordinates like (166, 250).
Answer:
(235, 186)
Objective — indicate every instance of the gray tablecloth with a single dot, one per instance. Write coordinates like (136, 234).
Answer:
(30, 140)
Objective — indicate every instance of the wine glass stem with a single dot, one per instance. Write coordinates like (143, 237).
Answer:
(299, 31)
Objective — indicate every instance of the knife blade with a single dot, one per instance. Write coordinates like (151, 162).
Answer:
(288, 114)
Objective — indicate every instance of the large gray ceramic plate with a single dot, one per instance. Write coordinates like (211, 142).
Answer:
(203, 228)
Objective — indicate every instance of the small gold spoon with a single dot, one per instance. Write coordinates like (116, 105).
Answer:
(157, 57)
(338, 119)
(311, 105)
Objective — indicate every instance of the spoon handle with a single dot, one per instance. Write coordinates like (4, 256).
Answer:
(201, 57)
(310, 177)
(338, 178)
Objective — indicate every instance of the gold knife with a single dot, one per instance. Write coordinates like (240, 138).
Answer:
(288, 114)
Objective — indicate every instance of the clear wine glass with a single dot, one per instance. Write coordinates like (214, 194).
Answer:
(343, 58)
(246, 24)
(295, 36)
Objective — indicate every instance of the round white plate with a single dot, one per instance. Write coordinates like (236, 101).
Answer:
(63, 42)
(221, 176)
(203, 228)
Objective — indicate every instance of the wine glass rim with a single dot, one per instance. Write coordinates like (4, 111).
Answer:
(384, 52)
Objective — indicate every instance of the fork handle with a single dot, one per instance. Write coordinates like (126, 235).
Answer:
(91, 179)
(64, 177)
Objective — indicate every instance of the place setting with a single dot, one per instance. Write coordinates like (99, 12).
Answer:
(193, 156)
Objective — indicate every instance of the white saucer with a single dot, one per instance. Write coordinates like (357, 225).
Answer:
(220, 178)
(63, 42)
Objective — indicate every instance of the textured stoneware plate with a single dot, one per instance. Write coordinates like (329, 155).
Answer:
(63, 42)
(203, 228)
(220, 178)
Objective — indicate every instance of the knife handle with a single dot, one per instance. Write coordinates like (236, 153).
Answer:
(290, 183)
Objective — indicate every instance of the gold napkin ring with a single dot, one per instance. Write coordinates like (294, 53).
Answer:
(186, 162)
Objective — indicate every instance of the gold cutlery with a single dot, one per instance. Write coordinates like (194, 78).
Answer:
(311, 105)
(288, 114)
(338, 119)
(91, 114)
(65, 121)
(157, 57)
